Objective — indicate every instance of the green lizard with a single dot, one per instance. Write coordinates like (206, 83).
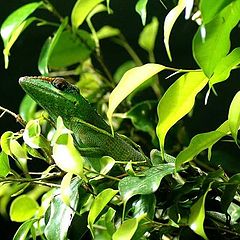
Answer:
(61, 98)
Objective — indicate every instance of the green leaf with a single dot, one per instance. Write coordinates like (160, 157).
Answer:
(60, 215)
(48, 48)
(5, 142)
(146, 184)
(197, 215)
(224, 67)
(66, 188)
(201, 142)
(23, 208)
(24, 230)
(234, 116)
(230, 191)
(81, 9)
(126, 230)
(107, 32)
(98, 205)
(177, 101)
(209, 51)
(15, 19)
(32, 135)
(148, 36)
(18, 151)
(170, 19)
(13, 39)
(4, 164)
(132, 79)
(27, 108)
(71, 49)
(140, 8)
(209, 9)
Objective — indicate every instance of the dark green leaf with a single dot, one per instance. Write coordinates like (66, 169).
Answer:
(147, 184)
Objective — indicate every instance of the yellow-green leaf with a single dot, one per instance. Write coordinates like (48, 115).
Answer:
(169, 22)
(81, 9)
(5, 142)
(234, 116)
(178, 101)
(23, 208)
(129, 82)
(66, 188)
(197, 216)
(126, 230)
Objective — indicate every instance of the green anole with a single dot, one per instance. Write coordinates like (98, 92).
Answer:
(60, 98)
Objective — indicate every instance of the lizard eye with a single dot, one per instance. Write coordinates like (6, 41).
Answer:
(60, 84)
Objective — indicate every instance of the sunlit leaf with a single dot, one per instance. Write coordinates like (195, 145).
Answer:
(5, 142)
(169, 22)
(66, 188)
(224, 67)
(189, 8)
(209, 51)
(234, 116)
(148, 35)
(146, 184)
(24, 230)
(17, 150)
(4, 164)
(197, 216)
(201, 142)
(15, 19)
(177, 101)
(126, 230)
(98, 205)
(27, 108)
(141, 10)
(13, 39)
(23, 208)
(80, 11)
(129, 82)
(209, 9)
(48, 48)
(107, 32)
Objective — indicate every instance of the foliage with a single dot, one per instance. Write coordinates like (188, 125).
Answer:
(180, 194)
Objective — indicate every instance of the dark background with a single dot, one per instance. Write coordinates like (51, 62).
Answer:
(25, 53)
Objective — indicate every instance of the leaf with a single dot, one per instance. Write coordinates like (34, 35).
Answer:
(224, 67)
(209, 9)
(230, 191)
(146, 184)
(197, 215)
(66, 188)
(71, 49)
(32, 135)
(148, 35)
(48, 48)
(4, 165)
(13, 39)
(177, 101)
(5, 142)
(60, 215)
(107, 32)
(140, 8)
(126, 230)
(200, 142)
(80, 11)
(170, 19)
(27, 108)
(129, 82)
(234, 116)
(15, 19)
(98, 205)
(17, 150)
(209, 51)
(23, 208)
(24, 229)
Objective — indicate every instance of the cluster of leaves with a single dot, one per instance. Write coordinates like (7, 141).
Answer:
(103, 198)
